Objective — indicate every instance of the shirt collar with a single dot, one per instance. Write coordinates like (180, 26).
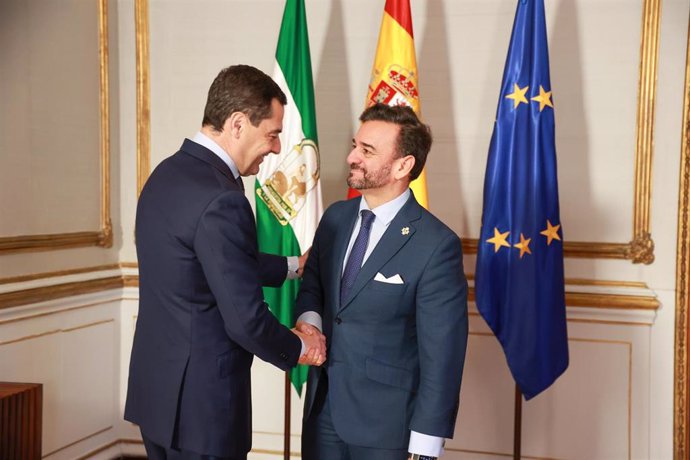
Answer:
(205, 141)
(386, 212)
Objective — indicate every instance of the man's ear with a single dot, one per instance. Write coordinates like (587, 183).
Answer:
(235, 124)
(404, 167)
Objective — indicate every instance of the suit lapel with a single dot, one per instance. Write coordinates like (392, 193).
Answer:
(342, 238)
(399, 232)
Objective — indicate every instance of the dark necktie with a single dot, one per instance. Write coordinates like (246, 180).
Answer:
(354, 261)
(240, 183)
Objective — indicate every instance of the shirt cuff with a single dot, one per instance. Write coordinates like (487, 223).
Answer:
(423, 444)
(312, 318)
(292, 267)
(304, 347)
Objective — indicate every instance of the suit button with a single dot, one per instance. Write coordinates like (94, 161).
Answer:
(283, 356)
(338, 320)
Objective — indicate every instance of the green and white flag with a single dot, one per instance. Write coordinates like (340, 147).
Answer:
(288, 190)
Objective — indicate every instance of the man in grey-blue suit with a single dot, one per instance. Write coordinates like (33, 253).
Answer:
(384, 282)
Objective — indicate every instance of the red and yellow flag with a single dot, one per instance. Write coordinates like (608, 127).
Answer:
(394, 76)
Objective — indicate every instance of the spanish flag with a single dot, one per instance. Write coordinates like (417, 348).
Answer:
(394, 76)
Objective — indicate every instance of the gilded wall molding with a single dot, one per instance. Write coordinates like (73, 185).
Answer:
(59, 291)
(619, 301)
(602, 300)
(141, 25)
(139, 442)
(115, 443)
(681, 403)
(627, 344)
(53, 332)
(574, 298)
(591, 295)
(103, 430)
(104, 236)
(640, 249)
(54, 274)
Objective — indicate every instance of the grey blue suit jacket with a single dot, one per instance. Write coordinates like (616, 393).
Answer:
(201, 311)
(396, 351)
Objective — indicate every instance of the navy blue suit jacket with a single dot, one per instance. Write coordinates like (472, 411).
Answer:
(202, 316)
(396, 351)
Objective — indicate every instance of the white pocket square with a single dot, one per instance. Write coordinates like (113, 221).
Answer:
(395, 279)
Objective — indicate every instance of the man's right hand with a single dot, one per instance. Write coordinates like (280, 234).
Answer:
(314, 342)
(302, 262)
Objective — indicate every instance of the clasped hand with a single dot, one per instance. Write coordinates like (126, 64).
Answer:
(314, 342)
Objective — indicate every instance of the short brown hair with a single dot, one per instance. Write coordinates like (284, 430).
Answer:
(414, 137)
(241, 88)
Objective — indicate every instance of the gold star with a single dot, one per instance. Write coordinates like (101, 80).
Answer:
(518, 95)
(523, 245)
(551, 232)
(498, 240)
(544, 98)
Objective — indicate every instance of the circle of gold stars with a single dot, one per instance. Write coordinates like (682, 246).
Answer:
(519, 97)
(500, 239)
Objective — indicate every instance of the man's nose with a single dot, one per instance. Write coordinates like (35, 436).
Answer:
(353, 156)
(276, 146)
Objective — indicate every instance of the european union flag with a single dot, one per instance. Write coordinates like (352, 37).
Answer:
(519, 281)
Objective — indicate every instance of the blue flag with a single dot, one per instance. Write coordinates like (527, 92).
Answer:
(519, 281)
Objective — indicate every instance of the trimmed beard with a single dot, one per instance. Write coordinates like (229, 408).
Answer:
(369, 179)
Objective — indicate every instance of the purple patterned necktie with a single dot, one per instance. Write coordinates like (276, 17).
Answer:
(354, 262)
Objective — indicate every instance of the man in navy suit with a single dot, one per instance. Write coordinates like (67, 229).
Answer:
(384, 282)
(202, 316)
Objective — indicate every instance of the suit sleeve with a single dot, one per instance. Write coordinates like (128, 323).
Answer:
(442, 328)
(225, 243)
(310, 296)
(272, 269)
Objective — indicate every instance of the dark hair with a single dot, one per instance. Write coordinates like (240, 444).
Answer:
(414, 137)
(241, 88)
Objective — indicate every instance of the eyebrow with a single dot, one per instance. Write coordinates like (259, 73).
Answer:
(369, 146)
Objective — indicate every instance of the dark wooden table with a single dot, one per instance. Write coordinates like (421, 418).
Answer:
(20, 420)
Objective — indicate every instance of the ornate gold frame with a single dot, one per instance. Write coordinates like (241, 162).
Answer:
(104, 236)
(641, 248)
(681, 409)
(141, 20)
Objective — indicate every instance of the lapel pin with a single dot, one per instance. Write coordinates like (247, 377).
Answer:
(405, 230)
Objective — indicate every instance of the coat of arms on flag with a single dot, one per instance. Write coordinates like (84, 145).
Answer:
(284, 192)
(396, 86)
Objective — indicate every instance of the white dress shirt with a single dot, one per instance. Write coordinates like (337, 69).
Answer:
(385, 214)
(420, 443)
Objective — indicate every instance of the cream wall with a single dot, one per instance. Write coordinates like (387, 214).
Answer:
(616, 399)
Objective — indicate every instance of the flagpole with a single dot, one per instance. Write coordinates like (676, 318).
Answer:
(517, 433)
(286, 436)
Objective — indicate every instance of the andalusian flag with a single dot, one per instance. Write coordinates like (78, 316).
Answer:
(394, 76)
(288, 191)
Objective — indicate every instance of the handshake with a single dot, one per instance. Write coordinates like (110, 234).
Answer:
(314, 343)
